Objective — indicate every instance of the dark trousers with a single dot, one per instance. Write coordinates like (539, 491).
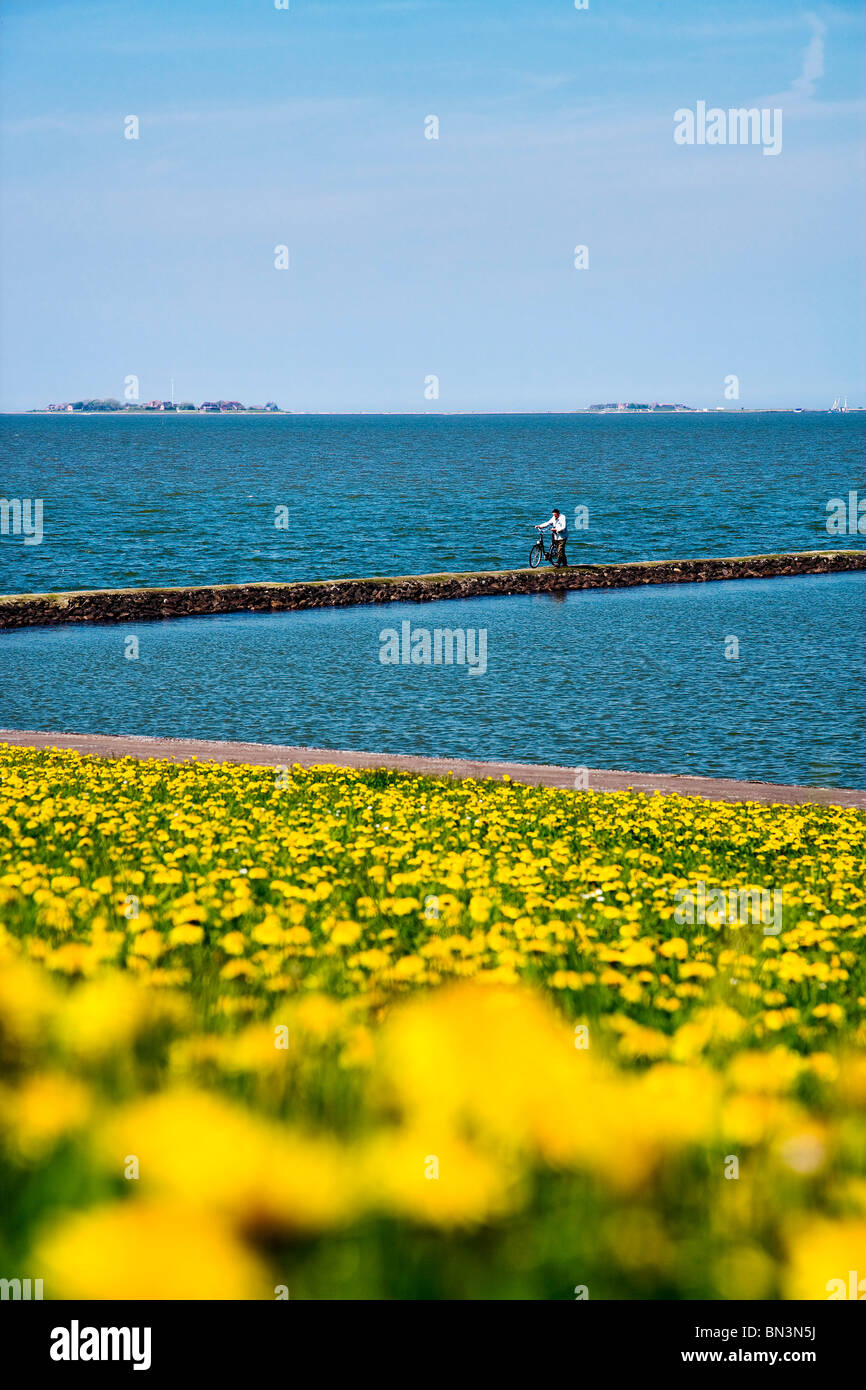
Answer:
(559, 542)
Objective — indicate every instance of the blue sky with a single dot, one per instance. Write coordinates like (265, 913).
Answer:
(411, 257)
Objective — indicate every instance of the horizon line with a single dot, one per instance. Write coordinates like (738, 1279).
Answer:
(427, 414)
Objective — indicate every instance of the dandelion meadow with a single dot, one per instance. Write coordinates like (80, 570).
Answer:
(335, 1034)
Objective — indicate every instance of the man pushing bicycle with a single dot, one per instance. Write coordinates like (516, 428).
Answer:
(559, 527)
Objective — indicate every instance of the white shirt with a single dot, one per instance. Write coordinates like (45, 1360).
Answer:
(559, 524)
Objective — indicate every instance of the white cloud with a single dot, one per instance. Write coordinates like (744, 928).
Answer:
(803, 87)
(801, 94)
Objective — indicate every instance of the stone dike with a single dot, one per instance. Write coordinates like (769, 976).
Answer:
(149, 605)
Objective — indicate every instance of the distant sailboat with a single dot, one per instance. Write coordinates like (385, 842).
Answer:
(839, 407)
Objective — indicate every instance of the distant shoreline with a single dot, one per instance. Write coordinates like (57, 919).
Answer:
(427, 414)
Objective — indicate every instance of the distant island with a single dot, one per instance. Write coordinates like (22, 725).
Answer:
(634, 405)
(237, 407)
(149, 407)
(111, 406)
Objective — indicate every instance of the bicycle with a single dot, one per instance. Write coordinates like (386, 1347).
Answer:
(538, 552)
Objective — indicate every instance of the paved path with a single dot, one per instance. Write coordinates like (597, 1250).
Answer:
(277, 755)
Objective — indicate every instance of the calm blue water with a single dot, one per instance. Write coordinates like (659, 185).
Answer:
(633, 679)
(176, 500)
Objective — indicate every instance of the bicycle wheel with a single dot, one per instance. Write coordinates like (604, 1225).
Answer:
(536, 555)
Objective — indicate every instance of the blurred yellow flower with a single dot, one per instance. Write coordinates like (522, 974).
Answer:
(821, 1258)
(45, 1108)
(148, 1250)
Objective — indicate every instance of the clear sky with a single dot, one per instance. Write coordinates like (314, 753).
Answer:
(409, 257)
